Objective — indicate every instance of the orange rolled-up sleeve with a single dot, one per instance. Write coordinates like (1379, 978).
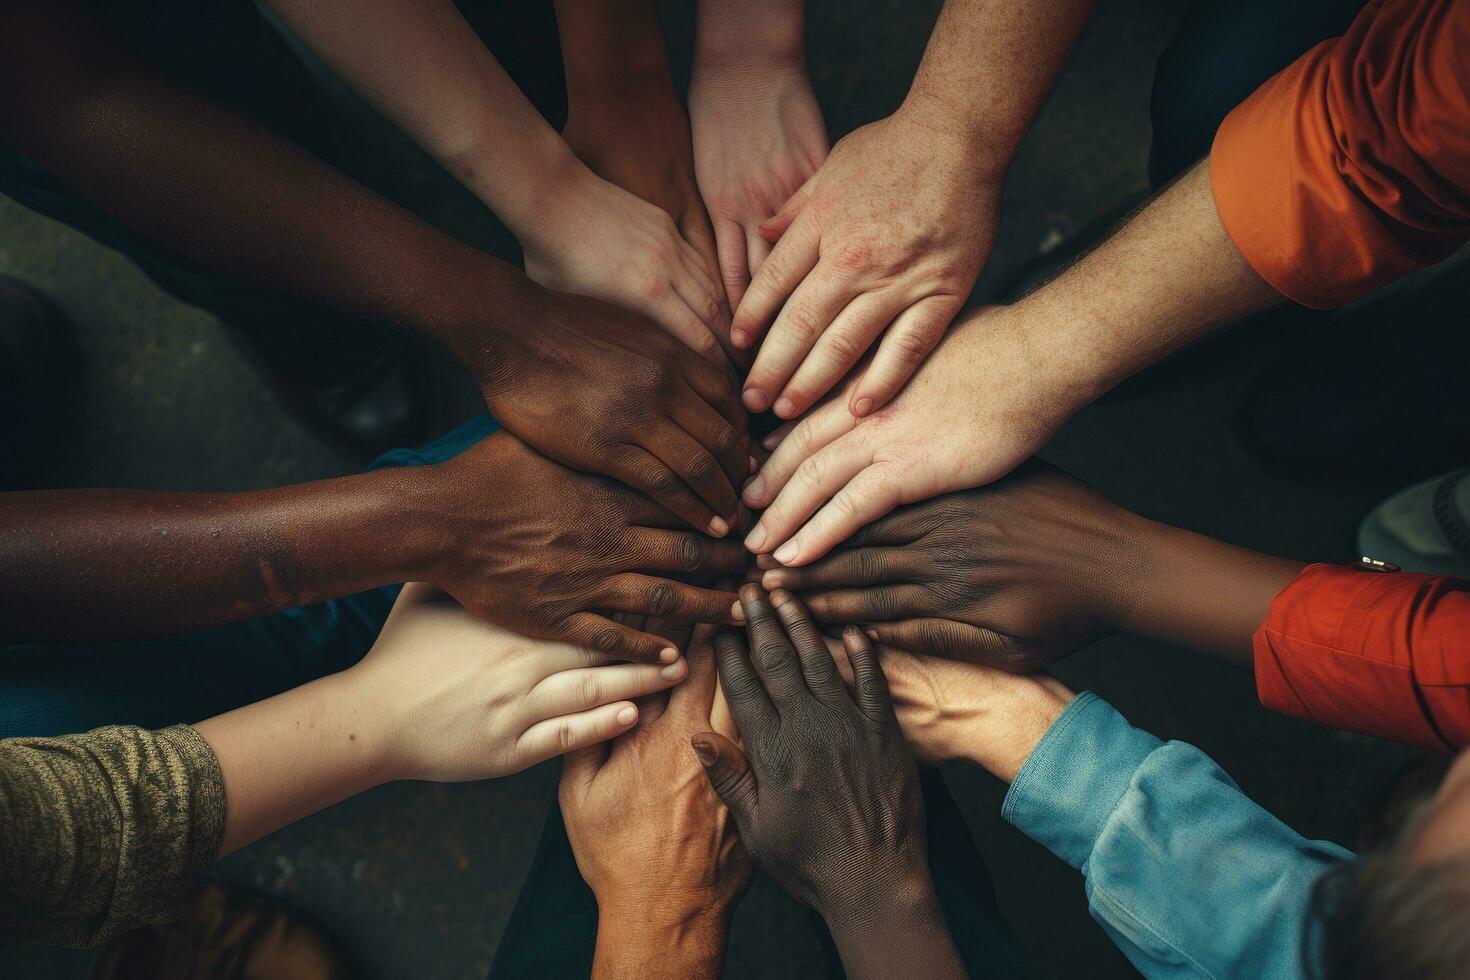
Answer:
(1351, 167)
(1385, 654)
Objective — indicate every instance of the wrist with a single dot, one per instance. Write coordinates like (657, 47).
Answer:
(729, 35)
(654, 939)
(986, 145)
(999, 731)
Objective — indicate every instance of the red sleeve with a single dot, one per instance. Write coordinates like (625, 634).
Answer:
(1382, 653)
(1351, 167)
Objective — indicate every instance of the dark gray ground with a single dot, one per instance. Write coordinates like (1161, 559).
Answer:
(419, 879)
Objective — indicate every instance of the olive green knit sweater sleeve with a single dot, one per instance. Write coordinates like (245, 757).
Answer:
(101, 832)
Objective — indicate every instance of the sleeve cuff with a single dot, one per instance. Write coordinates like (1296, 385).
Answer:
(1075, 777)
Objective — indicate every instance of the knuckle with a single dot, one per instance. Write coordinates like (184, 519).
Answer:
(651, 285)
(853, 256)
(843, 346)
(912, 347)
(772, 654)
(607, 639)
(703, 469)
(566, 736)
(661, 599)
(726, 441)
(589, 691)
(802, 323)
(691, 552)
(869, 567)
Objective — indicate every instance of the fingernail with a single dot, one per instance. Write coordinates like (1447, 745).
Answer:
(718, 527)
(863, 407)
(736, 613)
(770, 442)
(668, 655)
(785, 407)
(755, 538)
(739, 338)
(626, 716)
(755, 491)
(752, 464)
(771, 580)
(755, 399)
(786, 553)
(871, 633)
(705, 752)
(672, 672)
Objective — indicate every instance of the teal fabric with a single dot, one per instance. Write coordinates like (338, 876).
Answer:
(1187, 876)
(57, 689)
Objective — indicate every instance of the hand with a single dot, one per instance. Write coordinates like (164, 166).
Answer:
(890, 234)
(602, 390)
(991, 395)
(637, 137)
(758, 136)
(828, 799)
(595, 239)
(457, 699)
(1015, 575)
(950, 710)
(645, 794)
(545, 551)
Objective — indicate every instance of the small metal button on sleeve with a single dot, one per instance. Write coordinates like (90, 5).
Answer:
(1368, 564)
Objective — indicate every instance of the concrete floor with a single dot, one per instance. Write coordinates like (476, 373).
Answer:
(419, 879)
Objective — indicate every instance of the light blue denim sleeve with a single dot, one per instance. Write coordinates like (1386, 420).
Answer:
(1187, 876)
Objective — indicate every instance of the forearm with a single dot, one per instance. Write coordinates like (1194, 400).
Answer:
(111, 564)
(651, 943)
(901, 933)
(732, 34)
(422, 65)
(289, 756)
(1197, 592)
(213, 185)
(609, 48)
(988, 67)
(1166, 278)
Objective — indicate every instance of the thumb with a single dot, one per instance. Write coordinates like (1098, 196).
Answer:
(728, 771)
(775, 226)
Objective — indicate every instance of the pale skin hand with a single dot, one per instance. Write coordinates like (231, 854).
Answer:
(1006, 378)
(420, 63)
(950, 710)
(758, 131)
(667, 913)
(441, 696)
(889, 236)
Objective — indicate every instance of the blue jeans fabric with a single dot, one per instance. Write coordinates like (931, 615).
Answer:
(56, 689)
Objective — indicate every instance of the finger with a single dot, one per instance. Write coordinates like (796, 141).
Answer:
(772, 440)
(679, 314)
(869, 495)
(695, 696)
(716, 386)
(815, 482)
(755, 716)
(776, 225)
(653, 550)
(868, 680)
(698, 286)
(952, 640)
(582, 689)
(771, 650)
(844, 568)
(710, 429)
(840, 346)
(822, 295)
(812, 434)
(617, 642)
(910, 338)
(778, 276)
(756, 250)
(581, 765)
(729, 773)
(645, 472)
(694, 464)
(816, 663)
(876, 604)
(555, 736)
(663, 598)
(734, 270)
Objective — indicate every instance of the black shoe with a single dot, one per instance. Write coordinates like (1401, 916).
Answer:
(1381, 391)
(363, 390)
(33, 341)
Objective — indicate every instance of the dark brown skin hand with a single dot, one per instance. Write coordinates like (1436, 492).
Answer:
(546, 551)
(1015, 575)
(826, 793)
(603, 390)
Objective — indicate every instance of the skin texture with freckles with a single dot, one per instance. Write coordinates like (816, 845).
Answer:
(588, 383)
(881, 247)
(1021, 573)
(666, 914)
(825, 791)
(516, 538)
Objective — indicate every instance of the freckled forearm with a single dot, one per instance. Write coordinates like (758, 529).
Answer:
(94, 564)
